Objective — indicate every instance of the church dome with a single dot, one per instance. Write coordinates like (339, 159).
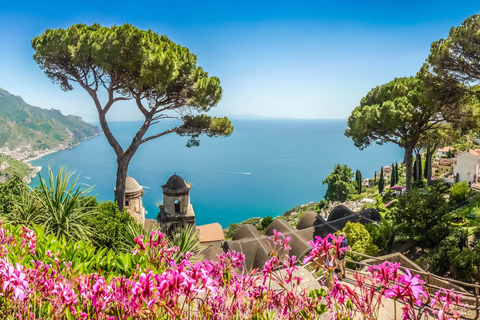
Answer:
(131, 185)
(176, 182)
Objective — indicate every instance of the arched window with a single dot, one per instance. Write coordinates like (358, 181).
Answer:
(177, 206)
(127, 203)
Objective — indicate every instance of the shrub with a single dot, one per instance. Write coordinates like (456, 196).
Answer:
(359, 240)
(422, 217)
(439, 258)
(110, 226)
(266, 222)
(459, 192)
(9, 192)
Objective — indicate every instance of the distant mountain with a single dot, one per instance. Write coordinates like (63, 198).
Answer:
(34, 128)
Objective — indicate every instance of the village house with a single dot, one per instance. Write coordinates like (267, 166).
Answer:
(442, 166)
(386, 172)
(443, 152)
(368, 183)
(467, 167)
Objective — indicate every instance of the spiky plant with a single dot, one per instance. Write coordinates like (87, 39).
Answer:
(64, 206)
(388, 231)
(26, 209)
(185, 237)
(134, 230)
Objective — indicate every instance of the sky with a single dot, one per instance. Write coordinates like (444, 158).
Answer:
(281, 59)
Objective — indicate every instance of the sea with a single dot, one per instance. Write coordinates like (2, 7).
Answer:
(263, 169)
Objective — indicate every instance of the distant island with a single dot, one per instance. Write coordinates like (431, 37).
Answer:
(28, 133)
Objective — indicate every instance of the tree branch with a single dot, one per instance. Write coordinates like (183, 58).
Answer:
(159, 135)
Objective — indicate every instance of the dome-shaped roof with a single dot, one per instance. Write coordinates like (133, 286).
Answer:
(176, 182)
(131, 185)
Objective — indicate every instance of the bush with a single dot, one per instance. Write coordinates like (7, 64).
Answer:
(266, 222)
(422, 217)
(459, 192)
(110, 227)
(439, 258)
(9, 192)
(359, 240)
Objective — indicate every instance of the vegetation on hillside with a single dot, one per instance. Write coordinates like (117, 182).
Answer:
(10, 167)
(33, 128)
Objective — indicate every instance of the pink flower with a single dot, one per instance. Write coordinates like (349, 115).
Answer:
(415, 285)
(14, 279)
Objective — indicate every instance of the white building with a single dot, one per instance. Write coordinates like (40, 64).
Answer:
(443, 152)
(467, 167)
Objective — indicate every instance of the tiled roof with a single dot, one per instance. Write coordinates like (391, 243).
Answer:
(475, 152)
(210, 232)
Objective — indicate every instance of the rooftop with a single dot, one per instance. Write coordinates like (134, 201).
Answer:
(176, 182)
(131, 185)
(210, 232)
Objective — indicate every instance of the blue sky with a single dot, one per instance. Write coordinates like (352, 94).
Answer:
(298, 59)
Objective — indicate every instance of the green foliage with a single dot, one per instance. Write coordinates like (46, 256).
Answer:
(137, 60)
(422, 217)
(387, 231)
(359, 240)
(110, 227)
(323, 204)
(266, 222)
(15, 167)
(392, 176)
(358, 181)
(26, 125)
(428, 164)
(454, 60)
(193, 126)
(381, 181)
(26, 210)
(185, 237)
(459, 192)
(235, 226)
(339, 183)
(439, 258)
(85, 257)
(10, 191)
(396, 173)
(61, 212)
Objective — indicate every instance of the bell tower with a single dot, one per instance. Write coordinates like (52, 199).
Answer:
(176, 208)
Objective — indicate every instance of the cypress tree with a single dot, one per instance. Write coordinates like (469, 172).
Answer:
(360, 180)
(356, 180)
(415, 170)
(375, 177)
(392, 176)
(381, 182)
(420, 167)
(396, 172)
(427, 165)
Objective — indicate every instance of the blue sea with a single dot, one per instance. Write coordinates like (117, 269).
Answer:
(264, 168)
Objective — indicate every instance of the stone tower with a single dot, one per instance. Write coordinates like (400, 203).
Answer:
(133, 200)
(176, 208)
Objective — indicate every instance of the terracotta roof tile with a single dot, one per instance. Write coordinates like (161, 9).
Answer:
(210, 232)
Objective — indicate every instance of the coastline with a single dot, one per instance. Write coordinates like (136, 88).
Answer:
(28, 156)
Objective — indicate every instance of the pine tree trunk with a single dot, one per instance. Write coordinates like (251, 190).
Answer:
(122, 169)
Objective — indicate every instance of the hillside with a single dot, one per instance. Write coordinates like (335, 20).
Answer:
(28, 128)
